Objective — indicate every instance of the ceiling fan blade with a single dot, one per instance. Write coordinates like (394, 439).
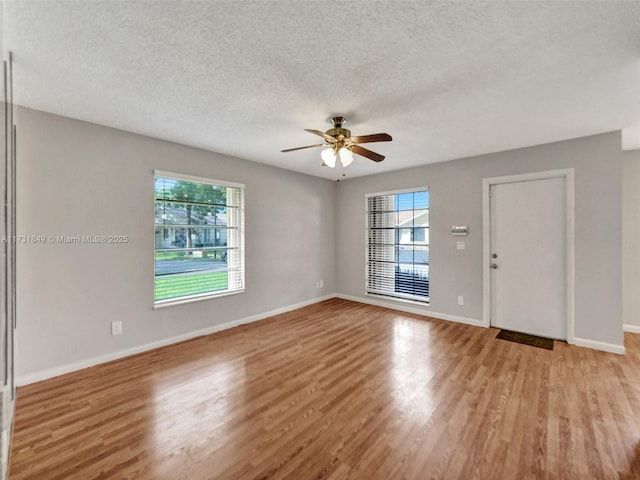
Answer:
(328, 138)
(376, 157)
(376, 137)
(300, 148)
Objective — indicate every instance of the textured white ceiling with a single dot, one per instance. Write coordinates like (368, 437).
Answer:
(445, 79)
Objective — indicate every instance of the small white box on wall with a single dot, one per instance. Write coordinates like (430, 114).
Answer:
(459, 230)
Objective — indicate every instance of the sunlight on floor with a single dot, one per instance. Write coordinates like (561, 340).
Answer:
(204, 403)
(412, 367)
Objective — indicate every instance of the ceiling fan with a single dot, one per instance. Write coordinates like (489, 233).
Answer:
(340, 144)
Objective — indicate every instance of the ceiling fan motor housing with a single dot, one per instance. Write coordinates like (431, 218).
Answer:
(339, 133)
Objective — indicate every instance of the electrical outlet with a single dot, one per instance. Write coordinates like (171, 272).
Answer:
(321, 283)
(460, 300)
(116, 328)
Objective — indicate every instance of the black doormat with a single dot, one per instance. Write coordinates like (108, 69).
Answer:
(526, 339)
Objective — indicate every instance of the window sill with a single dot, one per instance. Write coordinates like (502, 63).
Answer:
(399, 299)
(193, 298)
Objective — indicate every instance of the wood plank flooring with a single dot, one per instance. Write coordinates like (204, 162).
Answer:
(338, 390)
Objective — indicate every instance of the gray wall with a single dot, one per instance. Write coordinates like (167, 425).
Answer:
(456, 199)
(631, 240)
(77, 178)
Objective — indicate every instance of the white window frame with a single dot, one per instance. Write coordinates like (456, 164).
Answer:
(396, 296)
(239, 250)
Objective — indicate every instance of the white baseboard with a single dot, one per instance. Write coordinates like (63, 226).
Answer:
(4, 462)
(580, 342)
(90, 362)
(38, 376)
(631, 328)
(409, 309)
(6, 427)
(606, 347)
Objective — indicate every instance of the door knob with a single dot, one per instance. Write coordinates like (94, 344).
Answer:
(494, 265)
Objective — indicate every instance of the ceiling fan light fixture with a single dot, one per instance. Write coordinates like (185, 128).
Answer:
(346, 156)
(328, 156)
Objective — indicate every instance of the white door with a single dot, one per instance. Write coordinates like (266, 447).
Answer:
(528, 281)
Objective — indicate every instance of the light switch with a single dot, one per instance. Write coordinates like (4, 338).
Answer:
(460, 245)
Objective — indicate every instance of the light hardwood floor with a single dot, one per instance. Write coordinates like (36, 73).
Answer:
(338, 390)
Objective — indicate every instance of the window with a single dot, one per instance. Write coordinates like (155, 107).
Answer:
(398, 245)
(199, 238)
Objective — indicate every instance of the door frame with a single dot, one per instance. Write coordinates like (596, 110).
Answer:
(568, 176)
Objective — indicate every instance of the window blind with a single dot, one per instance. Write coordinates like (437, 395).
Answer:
(199, 237)
(398, 245)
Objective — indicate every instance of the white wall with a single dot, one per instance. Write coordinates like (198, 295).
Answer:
(456, 199)
(77, 178)
(631, 241)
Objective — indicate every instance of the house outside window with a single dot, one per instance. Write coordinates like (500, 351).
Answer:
(398, 245)
(199, 238)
